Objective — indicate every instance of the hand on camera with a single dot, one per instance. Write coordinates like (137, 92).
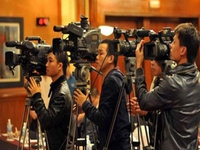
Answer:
(139, 52)
(79, 97)
(33, 87)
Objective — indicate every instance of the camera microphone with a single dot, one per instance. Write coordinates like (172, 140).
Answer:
(143, 33)
(94, 69)
(12, 43)
(59, 28)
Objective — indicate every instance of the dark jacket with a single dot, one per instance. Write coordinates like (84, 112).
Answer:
(178, 98)
(102, 116)
(55, 118)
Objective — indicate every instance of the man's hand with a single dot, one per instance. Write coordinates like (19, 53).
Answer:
(33, 87)
(79, 97)
(77, 110)
(134, 108)
(139, 52)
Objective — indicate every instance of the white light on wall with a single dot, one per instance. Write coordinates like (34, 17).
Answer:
(154, 3)
(106, 30)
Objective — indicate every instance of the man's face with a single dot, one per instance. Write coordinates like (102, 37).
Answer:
(101, 59)
(52, 66)
(156, 68)
(175, 51)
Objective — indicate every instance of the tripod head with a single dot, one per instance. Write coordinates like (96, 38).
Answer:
(82, 73)
(38, 79)
(130, 64)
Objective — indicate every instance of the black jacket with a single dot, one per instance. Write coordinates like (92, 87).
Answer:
(178, 98)
(55, 118)
(102, 116)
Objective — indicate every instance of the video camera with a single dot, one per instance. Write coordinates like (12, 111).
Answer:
(32, 57)
(159, 46)
(127, 47)
(82, 41)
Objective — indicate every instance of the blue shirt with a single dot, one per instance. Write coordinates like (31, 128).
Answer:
(72, 84)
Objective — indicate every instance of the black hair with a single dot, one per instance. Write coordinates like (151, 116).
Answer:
(61, 57)
(188, 37)
(110, 50)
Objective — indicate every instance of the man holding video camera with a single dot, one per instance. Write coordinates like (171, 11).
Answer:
(56, 118)
(151, 117)
(102, 116)
(177, 96)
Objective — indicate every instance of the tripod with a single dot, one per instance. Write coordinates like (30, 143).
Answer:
(130, 63)
(81, 73)
(86, 130)
(25, 126)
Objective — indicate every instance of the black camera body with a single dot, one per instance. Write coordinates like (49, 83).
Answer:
(82, 41)
(127, 47)
(32, 57)
(159, 46)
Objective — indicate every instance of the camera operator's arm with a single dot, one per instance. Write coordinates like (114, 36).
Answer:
(140, 54)
(34, 88)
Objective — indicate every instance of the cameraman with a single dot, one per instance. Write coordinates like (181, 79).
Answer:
(54, 119)
(177, 96)
(152, 117)
(85, 126)
(102, 116)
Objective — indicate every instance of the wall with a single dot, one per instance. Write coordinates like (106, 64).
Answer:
(12, 100)
(130, 14)
(139, 8)
(29, 11)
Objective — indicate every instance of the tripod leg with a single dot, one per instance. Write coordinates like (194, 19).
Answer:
(20, 136)
(26, 107)
(40, 138)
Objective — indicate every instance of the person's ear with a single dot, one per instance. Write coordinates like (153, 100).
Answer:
(183, 50)
(111, 58)
(60, 65)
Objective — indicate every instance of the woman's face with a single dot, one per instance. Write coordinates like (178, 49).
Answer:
(156, 68)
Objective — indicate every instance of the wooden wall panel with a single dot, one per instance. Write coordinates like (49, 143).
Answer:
(12, 99)
(12, 103)
(30, 10)
(136, 13)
